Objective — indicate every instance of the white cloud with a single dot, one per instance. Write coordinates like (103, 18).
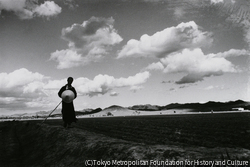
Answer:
(23, 89)
(114, 93)
(66, 58)
(95, 31)
(18, 78)
(231, 53)
(194, 61)
(21, 8)
(7, 100)
(54, 84)
(217, 1)
(22, 84)
(48, 8)
(19, 87)
(33, 87)
(211, 87)
(155, 66)
(88, 42)
(160, 44)
(27, 9)
(196, 64)
(12, 103)
(40, 102)
(135, 88)
(101, 84)
(12, 5)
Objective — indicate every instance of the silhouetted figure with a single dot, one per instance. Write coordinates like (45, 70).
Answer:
(68, 111)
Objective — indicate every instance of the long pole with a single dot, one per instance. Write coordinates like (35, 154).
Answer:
(51, 112)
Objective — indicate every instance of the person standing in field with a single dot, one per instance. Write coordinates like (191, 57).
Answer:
(68, 111)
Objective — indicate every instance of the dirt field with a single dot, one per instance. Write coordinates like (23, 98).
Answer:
(170, 137)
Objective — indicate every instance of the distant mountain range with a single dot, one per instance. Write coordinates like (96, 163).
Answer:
(194, 107)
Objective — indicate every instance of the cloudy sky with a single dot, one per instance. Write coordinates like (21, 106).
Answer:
(123, 52)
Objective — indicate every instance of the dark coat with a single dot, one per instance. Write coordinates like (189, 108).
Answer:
(68, 111)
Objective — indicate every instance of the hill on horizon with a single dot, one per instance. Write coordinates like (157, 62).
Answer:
(196, 107)
(114, 107)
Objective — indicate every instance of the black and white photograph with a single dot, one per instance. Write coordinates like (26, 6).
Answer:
(149, 83)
